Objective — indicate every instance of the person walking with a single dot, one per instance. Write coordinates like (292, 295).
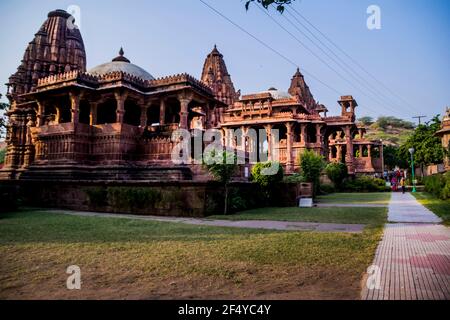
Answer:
(402, 184)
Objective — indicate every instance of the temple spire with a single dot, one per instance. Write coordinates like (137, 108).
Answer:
(54, 49)
(215, 74)
(300, 89)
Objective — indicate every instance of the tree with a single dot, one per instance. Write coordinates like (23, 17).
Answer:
(280, 4)
(312, 165)
(392, 158)
(267, 181)
(336, 172)
(222, 170)
(428, 147)
(367, 121)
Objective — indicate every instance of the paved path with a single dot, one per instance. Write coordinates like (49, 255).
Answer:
(252, 224)
(413, 256)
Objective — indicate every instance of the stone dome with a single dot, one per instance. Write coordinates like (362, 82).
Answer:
(121, 64)
(277, 94)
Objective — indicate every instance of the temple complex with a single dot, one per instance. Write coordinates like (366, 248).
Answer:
(115, 121)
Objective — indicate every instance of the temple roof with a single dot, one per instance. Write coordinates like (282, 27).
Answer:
(215, 75)
(121, 64)
(55, 48)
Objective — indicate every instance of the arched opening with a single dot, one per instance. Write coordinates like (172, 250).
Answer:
(297, 132)
(132, 114)
(365, 152)
(153, 115)
(311, 134)
(106, 112)
(85, 110)
(282, 131)
(172, 111)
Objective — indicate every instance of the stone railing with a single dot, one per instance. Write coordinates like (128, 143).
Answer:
(179, 78)
(61, 77)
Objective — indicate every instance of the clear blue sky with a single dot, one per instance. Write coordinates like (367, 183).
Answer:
(410, 54)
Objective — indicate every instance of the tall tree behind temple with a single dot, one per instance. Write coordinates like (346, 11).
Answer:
(428, 147)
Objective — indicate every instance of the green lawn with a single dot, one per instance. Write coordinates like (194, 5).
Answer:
(356, 198)
(371, 216)
(125, 259)
(438, 206)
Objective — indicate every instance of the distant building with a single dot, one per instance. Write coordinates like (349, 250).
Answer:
(115, 121)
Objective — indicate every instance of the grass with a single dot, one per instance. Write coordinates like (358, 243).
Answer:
(125, 258)
(371, 216)
(356, 198)
(440, 207)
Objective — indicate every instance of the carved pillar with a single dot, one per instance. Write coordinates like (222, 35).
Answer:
(58, 115)
(120, 110)
(243, 138)
(339, 153)
(40, 113)
(361, 155)
(93, 113)
(144, 116)
(369, 151)
(349, 154)
(268, 128)
(289, 142)
(162, 112)
(75, 107)
(184, 112)
(29, 147)
(319, 134)
(303, 134)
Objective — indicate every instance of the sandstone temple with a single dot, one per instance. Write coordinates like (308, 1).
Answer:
(115, 121)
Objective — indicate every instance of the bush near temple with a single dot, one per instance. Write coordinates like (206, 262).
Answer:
(365, 184)
(336, 172)
(438, 185)
(311, 165)
(267, 183)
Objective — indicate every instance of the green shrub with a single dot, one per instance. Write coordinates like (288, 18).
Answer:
(266, 181)
(327, 188)
(336, 172)
(438, 185)
(312, 165)
(294, 178)
(365, 184)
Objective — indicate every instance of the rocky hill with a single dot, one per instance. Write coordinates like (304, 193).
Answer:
(391, 130)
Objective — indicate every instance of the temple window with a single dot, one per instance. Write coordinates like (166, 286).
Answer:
(106, 112)
(153, 114)
(85, 110)
(132, 113)
(365, 152)
(297, 133)
(172, 111)
(311, 134)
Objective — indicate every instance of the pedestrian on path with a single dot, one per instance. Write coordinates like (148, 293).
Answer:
(402, 184)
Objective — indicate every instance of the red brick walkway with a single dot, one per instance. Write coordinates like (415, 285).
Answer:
(413, 259)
